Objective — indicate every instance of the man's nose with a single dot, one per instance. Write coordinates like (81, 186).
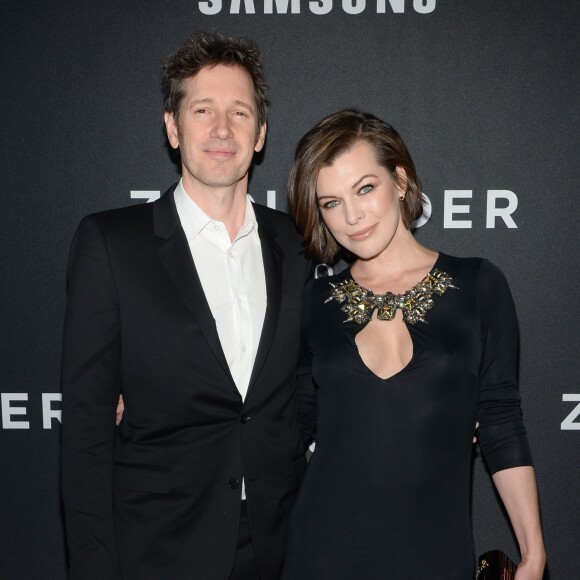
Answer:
(221, 128)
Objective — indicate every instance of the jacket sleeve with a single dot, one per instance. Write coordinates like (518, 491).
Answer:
(305, 388)
(91, 387)
(502, 434)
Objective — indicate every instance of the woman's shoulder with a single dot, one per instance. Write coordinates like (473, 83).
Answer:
(456, 264)
(478, 274)
(475, 267)
(319, 286)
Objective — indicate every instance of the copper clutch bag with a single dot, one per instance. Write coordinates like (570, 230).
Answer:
(495, 565)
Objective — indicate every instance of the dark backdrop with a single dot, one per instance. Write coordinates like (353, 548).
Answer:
(485, 92)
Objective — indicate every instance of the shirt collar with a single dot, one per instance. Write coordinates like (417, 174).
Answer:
(250, 223)
(194, 220)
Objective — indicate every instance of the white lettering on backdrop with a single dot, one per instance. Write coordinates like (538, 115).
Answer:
(14, 410)
(451, 207)
(318, 7)
(570, 423)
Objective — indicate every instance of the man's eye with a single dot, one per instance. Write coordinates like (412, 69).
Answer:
(366, 189)
(201, 111)
(241, 113)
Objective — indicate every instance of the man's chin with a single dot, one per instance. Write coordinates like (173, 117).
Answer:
(220, 181)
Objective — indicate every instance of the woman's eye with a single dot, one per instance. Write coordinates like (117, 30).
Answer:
(366, 189)
(330, 204)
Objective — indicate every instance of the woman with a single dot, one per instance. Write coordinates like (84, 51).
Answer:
(408, 348)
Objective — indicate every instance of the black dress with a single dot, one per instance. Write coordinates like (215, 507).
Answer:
(387, 492)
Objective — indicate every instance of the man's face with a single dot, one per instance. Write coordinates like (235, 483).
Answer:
(217, 129)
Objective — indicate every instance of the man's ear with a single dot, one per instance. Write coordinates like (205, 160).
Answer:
(260, 138)
(401, 180)
(171, 129)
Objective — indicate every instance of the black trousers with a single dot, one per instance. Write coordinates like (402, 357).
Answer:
(245, 567)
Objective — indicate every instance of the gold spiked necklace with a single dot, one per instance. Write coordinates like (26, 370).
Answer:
(360, 303)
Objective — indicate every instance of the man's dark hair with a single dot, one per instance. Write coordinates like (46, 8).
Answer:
(202, 50)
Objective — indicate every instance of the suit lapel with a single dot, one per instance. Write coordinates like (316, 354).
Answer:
(272, 256)
(175, 256)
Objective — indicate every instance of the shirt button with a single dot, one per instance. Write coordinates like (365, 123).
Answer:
(244, 419)
(233, 483)
(244, 349)
(239, 300)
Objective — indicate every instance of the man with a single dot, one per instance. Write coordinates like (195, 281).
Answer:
(190, 307)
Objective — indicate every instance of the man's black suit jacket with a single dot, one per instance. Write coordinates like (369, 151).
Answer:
(159, 497)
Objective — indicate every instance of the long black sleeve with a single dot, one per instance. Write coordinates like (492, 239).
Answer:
(502, 434)
(90, 385)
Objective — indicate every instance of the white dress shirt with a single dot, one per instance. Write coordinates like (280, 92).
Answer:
(233, 280)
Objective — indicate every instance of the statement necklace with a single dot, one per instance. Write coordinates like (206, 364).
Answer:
(360, 303)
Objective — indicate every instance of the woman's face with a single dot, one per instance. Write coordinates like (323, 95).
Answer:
(359, 201)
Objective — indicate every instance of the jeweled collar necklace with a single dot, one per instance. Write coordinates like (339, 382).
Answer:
(360, 303)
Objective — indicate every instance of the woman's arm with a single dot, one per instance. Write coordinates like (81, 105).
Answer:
(502, 434)
(518, 491)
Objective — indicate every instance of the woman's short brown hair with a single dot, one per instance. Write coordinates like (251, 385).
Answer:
(319, 148)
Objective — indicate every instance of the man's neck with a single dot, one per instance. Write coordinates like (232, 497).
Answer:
(226, 205)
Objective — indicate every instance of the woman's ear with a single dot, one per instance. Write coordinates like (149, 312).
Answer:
(401, 180)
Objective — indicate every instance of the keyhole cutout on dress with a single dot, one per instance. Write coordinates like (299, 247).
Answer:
(385, 346)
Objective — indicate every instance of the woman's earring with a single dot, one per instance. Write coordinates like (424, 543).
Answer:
(402, 198)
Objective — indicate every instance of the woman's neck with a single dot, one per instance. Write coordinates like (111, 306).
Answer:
(397, 268)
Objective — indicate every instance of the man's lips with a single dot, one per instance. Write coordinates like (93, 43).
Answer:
(219, 152)
(362, 234)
